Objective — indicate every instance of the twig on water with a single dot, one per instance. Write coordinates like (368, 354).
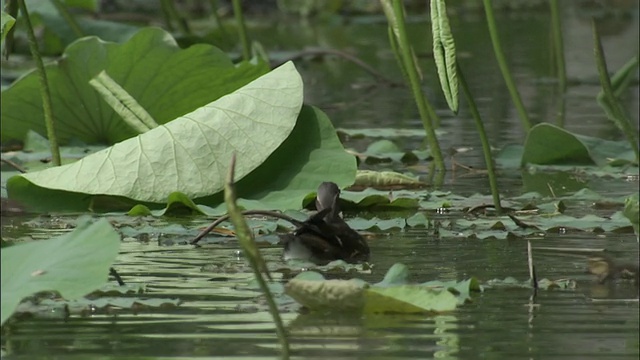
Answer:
(223, 218)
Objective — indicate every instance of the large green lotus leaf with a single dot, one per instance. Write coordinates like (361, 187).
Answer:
(603, 151)
(190, 154)
(165, 80)
(310, 155)
(57, 33)
(73, 264)
(548, 144)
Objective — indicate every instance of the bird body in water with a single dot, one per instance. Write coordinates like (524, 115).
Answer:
(607, 269)
(325, 236)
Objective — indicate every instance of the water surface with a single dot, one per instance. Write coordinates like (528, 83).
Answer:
(219, 316)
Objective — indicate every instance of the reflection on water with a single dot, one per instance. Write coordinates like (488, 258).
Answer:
(218, 317)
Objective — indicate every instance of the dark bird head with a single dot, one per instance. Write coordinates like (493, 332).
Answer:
(327, 198)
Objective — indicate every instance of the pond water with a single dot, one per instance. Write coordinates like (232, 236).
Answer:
(220, 316)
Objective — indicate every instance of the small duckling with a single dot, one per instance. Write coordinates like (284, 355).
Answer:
(325, 236)
(606, 269)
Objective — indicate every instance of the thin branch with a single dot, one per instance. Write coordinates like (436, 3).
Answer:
(219, 220)
(520, 223)
(13, 165)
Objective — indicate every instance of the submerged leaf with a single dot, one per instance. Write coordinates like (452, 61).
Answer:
(408, 299)
(338, 295)
(60, 308)
(391, 295)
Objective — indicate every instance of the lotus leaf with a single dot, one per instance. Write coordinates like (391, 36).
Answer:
(191, 153)
(165, 80)
(73, 264)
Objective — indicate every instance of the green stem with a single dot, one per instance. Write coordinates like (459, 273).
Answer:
(502, 63)
(438, 180)
(216, 17)
(621, 118)
(558, 44)
(66, 15)
(432, 114)
(170, 11)
(44, 87)
(244, 39)
(561, 107)
(166, 12)
(486, 148)
(252, 253)
(424, 108)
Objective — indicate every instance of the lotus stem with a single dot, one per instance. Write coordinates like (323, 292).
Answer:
(504, 68)
(244, 39)
(44, 87)
(252, 253)
(558, 50)
(486, 148)
(214, 10)
(619, 116)
(66, 15)
(395, 17)
(170, 13)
